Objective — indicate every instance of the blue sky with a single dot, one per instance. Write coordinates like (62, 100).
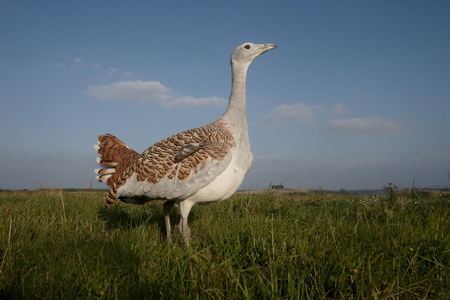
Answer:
(356, 95)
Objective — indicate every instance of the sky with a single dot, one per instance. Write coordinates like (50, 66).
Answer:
(357, 94)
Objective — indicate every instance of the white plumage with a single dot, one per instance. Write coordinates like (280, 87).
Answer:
(205, 164)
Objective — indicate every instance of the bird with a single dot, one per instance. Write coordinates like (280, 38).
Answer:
(201, 165)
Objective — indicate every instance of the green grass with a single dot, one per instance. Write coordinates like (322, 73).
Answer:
(64, 245)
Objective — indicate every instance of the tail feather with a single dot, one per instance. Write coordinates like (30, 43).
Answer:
(106, 163)
(103, 177)
(115, 158)
(105, 171)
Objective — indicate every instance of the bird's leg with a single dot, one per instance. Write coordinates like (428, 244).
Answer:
(185, 232)
(168, 205)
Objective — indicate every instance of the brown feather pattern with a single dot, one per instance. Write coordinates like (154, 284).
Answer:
(160, 160)
(114, 153)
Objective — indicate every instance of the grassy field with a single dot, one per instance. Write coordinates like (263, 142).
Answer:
(64, 244)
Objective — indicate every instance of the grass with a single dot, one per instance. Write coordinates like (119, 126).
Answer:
(64, 245)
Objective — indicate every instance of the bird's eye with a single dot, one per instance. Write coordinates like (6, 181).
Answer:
(247, 46)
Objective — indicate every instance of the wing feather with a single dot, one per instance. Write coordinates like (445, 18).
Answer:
(179, 166)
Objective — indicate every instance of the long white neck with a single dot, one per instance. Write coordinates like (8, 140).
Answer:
(236, 112)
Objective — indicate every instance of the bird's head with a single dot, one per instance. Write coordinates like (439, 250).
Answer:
(248, 52)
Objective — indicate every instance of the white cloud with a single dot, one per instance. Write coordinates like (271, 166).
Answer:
(338, 109)
(149, 92)
(285, 113)
(78, 60)
(301, 113)
(363, 125)
(137, 91)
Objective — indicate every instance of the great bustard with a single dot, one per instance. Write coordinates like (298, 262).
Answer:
(205, 164)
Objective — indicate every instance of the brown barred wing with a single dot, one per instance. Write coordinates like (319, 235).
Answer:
(177, 166)
(159, 160)
(193, 171)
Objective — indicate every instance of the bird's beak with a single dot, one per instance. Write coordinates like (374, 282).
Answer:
(266, 47)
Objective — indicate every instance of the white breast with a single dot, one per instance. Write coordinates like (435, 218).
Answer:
(227, 183)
